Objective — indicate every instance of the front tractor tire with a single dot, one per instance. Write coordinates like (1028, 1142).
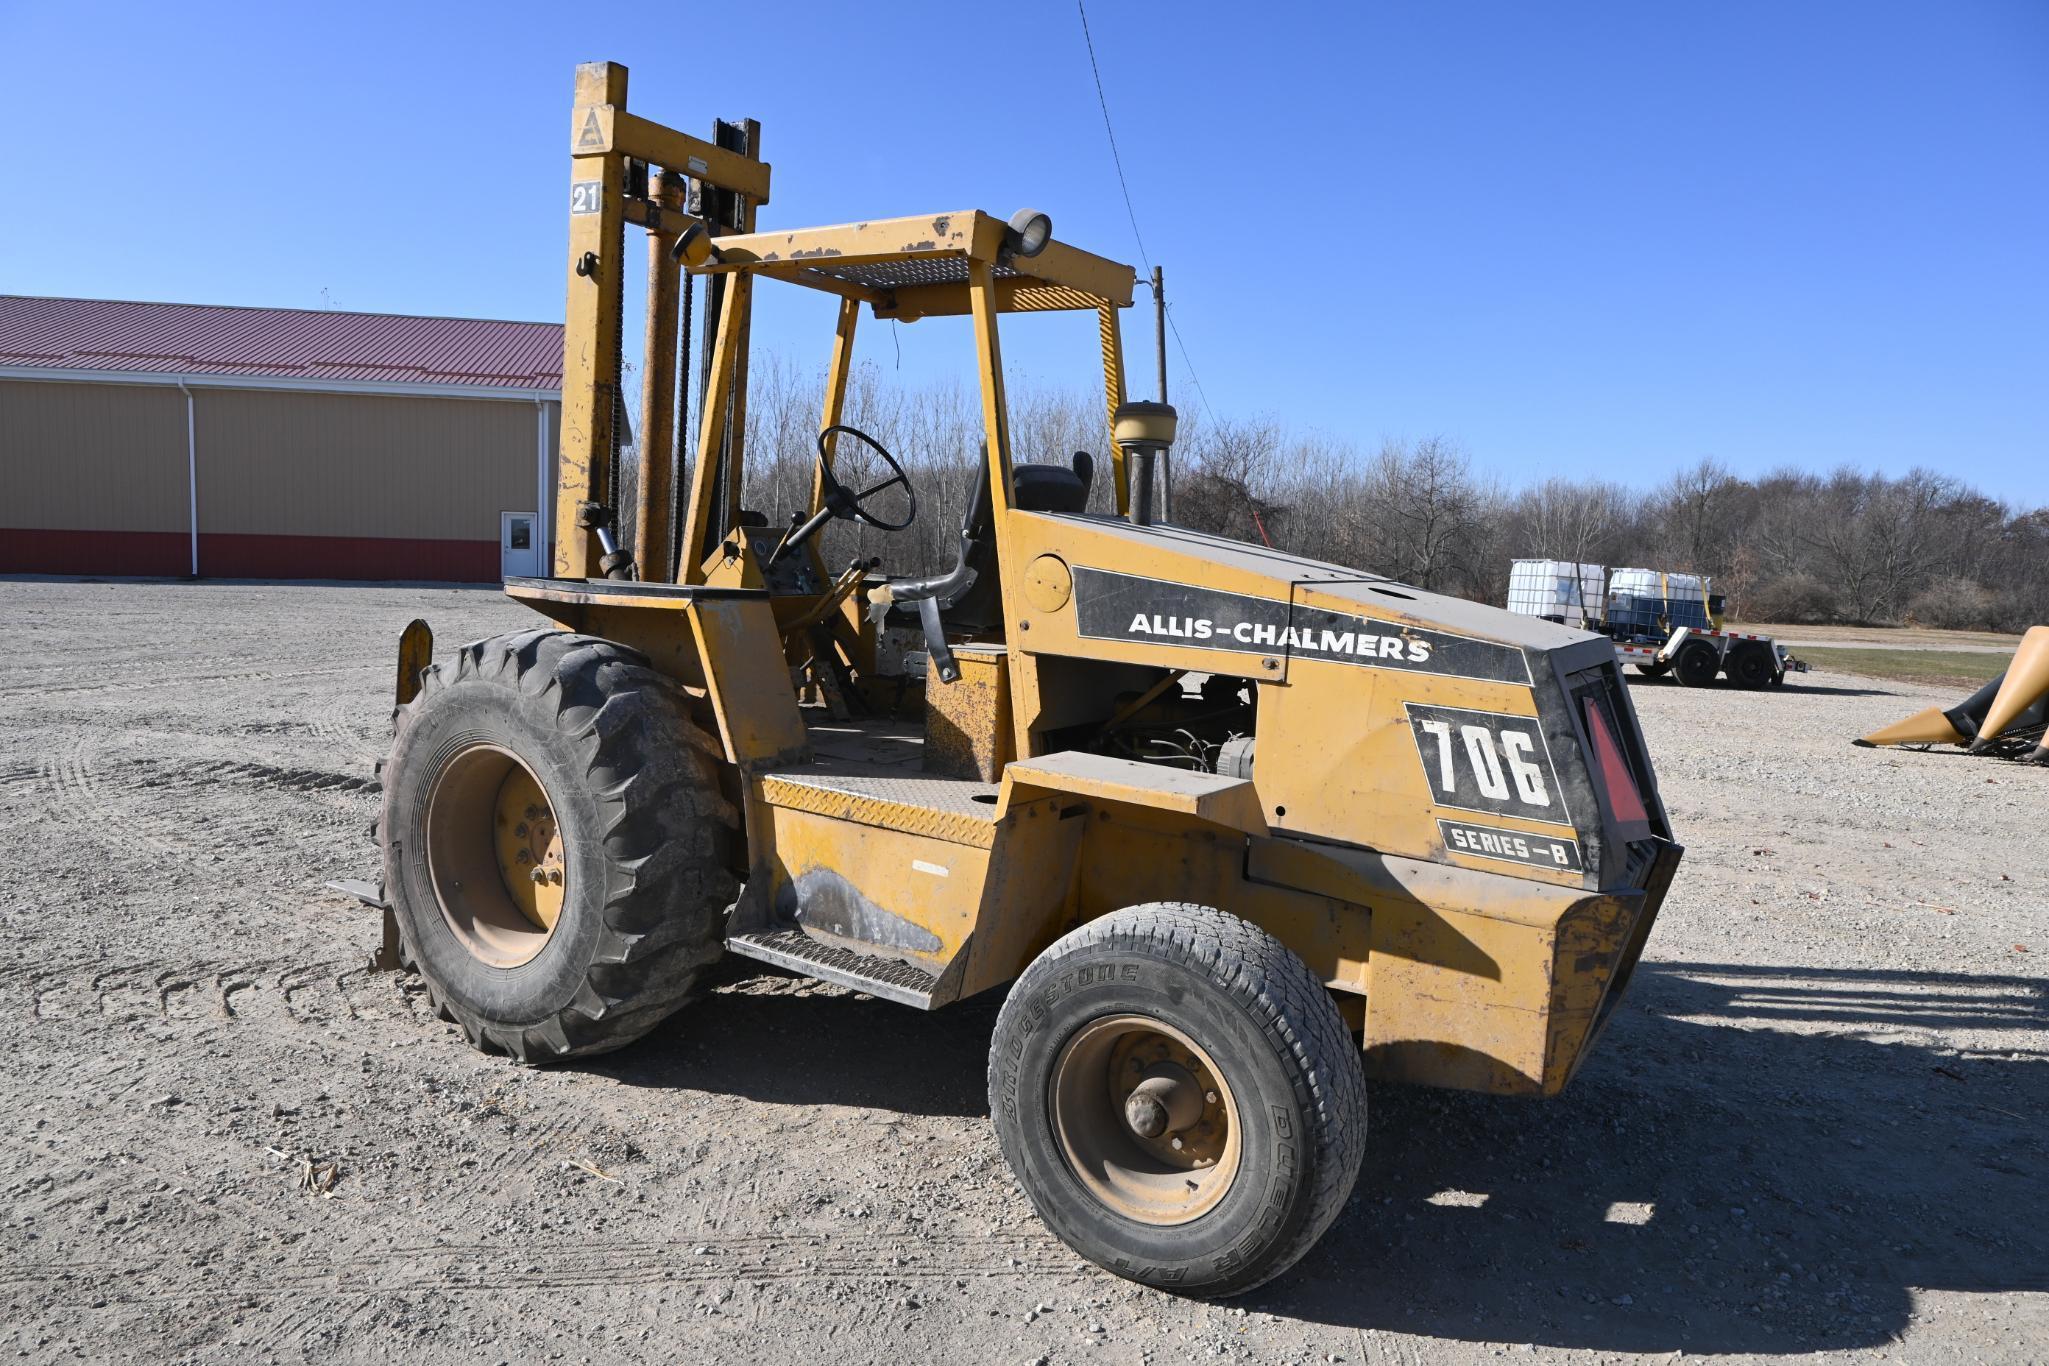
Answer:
(1179, 1098)
(556, 847)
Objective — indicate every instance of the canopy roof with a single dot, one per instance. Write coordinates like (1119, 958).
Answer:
(910, 268)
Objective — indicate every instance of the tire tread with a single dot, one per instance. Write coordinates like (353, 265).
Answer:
(1293, 1009)
(667, 829)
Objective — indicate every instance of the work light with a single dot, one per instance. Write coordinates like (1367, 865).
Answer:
(1029, 232)
(694, 247)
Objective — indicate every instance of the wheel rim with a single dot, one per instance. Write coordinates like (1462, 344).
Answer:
(1145, 1119)
(494, 855)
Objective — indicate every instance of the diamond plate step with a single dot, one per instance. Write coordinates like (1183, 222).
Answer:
(885, 977)
(950, 809)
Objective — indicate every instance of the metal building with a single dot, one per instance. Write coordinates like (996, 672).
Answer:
(173, 439)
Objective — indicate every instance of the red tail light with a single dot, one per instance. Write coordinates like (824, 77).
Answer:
(1620, 783)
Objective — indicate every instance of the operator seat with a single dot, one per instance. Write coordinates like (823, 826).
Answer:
(978, 606)
(969, 597)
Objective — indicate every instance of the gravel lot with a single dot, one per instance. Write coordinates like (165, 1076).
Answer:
(1816, 1126)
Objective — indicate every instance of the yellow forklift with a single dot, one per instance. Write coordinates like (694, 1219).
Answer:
(1233, 830)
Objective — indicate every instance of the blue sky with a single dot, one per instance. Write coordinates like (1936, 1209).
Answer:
(1576, 238)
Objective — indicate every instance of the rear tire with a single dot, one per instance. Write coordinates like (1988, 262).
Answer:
(1654, 670)
(1752, 666)
(1275, 1123)
(1697, 665)
(581, 740)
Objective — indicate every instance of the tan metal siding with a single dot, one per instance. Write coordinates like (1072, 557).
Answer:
(95, 457)
(298, 464)
(547, 495)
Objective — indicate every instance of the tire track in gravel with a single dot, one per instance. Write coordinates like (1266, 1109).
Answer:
(74, 798)
(518, 1159)
(332, 722)
(124, 1176)
(163, 804)
(291, 1326)
(298, 1322)
(212, 992)
(899, 1257)
(281, 990)
(178, 679)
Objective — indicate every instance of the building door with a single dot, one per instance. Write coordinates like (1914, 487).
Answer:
(519, 551)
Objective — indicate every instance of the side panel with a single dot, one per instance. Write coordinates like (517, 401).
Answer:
(1029, 900)
(749, 679)
(922, 895)
(967, 722)
(1409, 763)
(1477, 980)
(891, 893)
(1133, 855)
(929, 885)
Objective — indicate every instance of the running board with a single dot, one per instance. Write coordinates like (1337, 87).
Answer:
(885, 977)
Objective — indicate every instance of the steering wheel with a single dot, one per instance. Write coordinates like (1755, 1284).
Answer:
(840, 502)
(845, 504)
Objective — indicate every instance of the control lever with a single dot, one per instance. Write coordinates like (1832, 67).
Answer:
(842, 589)
(943, 662)
(796, 525)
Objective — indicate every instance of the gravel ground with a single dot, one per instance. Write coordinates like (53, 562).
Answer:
(1815, 1127)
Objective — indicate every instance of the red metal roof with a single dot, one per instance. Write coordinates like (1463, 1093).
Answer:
(278, 343)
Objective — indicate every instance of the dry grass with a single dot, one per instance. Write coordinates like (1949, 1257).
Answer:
(1891, 637)
(1961, 668)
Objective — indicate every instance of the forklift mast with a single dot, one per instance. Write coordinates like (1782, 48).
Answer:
(626, 170)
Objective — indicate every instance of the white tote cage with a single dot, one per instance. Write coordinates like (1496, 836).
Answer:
(1557, 588)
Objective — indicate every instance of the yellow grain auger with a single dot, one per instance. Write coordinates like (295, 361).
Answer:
(1394, 835)
(2007, 718)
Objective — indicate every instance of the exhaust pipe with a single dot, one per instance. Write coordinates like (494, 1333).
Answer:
(1145, 432)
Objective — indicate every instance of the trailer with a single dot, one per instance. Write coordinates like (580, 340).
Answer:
(1697, 658)
(1660, 622)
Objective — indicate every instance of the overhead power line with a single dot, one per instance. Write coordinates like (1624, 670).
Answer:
(1182, 346)
(1115, 160)
(1132, 213)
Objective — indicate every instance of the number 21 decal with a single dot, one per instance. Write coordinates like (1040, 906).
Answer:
(1487, 761)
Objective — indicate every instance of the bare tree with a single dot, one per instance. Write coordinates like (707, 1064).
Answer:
(1851, 544)
(1223, 474)
(1696, 506)
(1425, 514)
(1578, 521)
